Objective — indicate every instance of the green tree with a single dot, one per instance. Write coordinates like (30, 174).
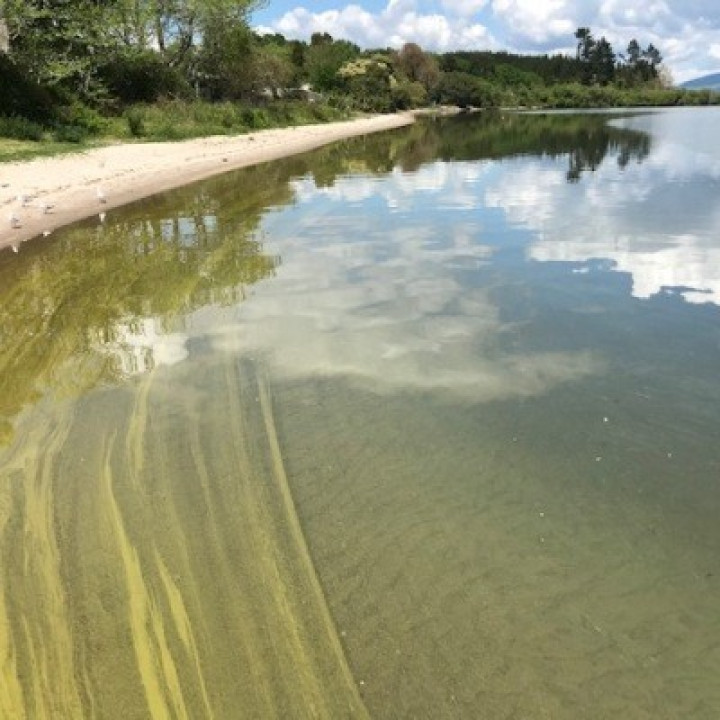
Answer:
(298, 54)
(271, 70)
(405, 95)
(174, 27)
(370, 82)
(585, 42)
(466, 90)
(652, 56)
(602, 62)
(221, 65)
(640, 65)
(596, 57)
(57, 43)
(324, 59)
(634, 53)
(64, 42)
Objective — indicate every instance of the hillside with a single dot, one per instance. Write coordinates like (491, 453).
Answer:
(706, 82)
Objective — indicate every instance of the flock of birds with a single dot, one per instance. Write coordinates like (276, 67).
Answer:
(24, 202)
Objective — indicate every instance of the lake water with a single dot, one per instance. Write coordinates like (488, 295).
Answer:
(420, 425)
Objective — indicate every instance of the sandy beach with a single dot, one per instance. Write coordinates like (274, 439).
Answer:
(39, 196)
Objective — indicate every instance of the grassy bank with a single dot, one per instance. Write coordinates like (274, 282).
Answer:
(81, 128)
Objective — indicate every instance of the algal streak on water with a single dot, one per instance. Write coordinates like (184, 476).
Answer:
(179, 586)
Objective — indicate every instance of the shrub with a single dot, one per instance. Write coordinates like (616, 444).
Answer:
(19, 128)
(255, 118)
(407, 95)
(135, 119)
(20, 96)
(70, 134)
(84, 118)
(142, 76)
(464, 90)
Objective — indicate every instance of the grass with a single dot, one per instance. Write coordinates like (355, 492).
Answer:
(19, 150)
(164, 121)
(179, 120)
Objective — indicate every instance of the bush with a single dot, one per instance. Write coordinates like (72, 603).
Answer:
(70, 134)
(142, 76)
(135, 119)
(406, 95)
(255, 118)
(82, 117)
(19, 128)
(20, 96)
(464, 90)
(179, 120)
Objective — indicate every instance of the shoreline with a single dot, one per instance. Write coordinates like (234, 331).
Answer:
(42, 195)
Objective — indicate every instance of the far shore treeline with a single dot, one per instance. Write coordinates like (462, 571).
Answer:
(180, 68)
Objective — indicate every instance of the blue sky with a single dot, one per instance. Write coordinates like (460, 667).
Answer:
(687, 32)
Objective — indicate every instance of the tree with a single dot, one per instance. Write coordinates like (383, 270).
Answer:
(324, 59)
(652, 56)
(65, 42)
(405, 95)
(640, 65)
(463, 90)
(221, 65)
(596, 56)
(270, 71)
(318, 38)
(602, 61)
(57, 43)
(298, 53)
(634, 53)
(370, 82)
(585, 43)
(417, 66)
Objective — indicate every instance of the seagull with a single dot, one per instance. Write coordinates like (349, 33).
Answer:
(102, 217)
(46, 232)
(100, 195)
(15, 223)
(46, 207)
(14, 248)
(23, 199)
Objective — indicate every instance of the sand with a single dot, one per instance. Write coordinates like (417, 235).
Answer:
(41, 195)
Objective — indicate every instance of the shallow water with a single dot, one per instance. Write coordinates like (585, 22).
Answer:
(420, 425)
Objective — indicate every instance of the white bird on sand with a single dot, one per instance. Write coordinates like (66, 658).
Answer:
(46, 207)
(101, 195)
(15, 223)
(23, 199)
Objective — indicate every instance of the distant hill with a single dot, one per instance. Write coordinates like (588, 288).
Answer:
(706, 82)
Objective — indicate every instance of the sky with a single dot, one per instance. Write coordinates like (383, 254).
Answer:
(687, 32)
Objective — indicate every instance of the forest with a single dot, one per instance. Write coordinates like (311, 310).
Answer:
(171, 69)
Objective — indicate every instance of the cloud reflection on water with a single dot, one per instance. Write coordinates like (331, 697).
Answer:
(658, 221)
(386, 296)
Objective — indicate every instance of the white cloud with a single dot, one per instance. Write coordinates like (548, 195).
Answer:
(464, 8)
(397, 24)
(536, 21)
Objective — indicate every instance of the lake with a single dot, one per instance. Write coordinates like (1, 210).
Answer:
(420, 425)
